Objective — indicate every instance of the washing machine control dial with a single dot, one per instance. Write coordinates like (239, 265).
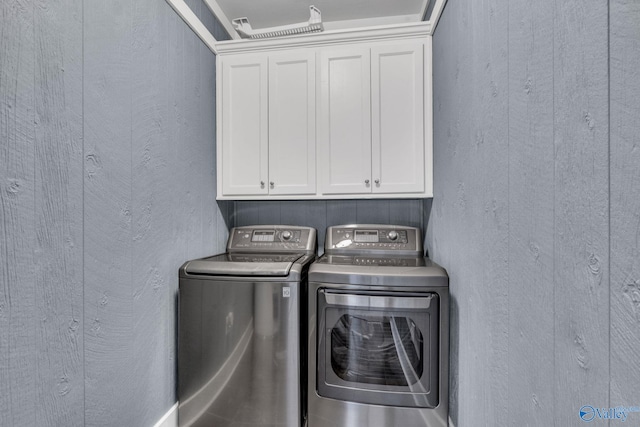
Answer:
(286, 235)
(393, 235)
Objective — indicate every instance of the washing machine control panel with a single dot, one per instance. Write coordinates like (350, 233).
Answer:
(374, 239)
(271, 238)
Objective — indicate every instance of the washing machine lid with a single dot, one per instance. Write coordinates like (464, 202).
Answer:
(244, 264)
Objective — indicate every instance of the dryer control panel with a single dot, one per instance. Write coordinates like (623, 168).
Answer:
(373, 239)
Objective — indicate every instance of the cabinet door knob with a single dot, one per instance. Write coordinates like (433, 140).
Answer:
(271, 184)
(377, 181)
(366, 181)
(261, 184)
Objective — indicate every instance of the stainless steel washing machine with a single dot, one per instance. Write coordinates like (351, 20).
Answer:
(378, 331)
(241, 360)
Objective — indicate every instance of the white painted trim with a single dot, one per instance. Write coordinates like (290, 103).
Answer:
(365, 196)
(219, 94)
(337, 30)
(435, 14)
(368, 34)
(215, 8)
(423, 10)
(194, 23)
(428, 115)
(170, 419)
(370, 22)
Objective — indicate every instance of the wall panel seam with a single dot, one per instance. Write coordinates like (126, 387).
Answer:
(609, 182)
(35, 204)
(553, 208)
(82, 168)
(508, 273)
(132, 216)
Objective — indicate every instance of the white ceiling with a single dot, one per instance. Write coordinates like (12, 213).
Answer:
(336, 14)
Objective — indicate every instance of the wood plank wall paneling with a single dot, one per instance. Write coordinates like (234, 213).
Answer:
(310, 214)
(488, 201)
(531, 216)
(468, 225)
(445, 228)
(624, 33)
(109, 318)
(153, 213)
(106, 186)
(341, 212)
(177, 127)
(174, 63)
(59, 215)
(216, 224)
(372, 211)
(567, 178)
(581, 207)
(408, 212)
(17, 209)
(189, 88)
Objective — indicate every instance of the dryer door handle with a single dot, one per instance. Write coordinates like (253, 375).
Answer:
(381, 301)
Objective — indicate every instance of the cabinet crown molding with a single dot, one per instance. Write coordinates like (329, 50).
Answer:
(328, 38)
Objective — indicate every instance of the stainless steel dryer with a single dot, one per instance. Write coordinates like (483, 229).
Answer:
(378, 331)
(240, 355)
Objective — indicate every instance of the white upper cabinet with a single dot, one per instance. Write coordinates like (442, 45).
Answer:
(292, 118)
(344, 121)
(371, 120)
(244, 146)
(327, 116)
(397, 115)
(268, 124)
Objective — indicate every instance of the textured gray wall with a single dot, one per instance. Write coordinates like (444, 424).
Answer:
(107, 184)
(535, 212)
(624, 57)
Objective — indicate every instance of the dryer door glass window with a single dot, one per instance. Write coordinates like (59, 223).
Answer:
(386, 350)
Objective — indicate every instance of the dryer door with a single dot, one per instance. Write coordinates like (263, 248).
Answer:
(378, 348)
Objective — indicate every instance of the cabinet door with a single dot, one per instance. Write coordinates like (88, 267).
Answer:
(397, 109)
(244, 125)
(344, 121)
(292, 119)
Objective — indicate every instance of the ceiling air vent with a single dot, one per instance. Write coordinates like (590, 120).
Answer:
(314, 25)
